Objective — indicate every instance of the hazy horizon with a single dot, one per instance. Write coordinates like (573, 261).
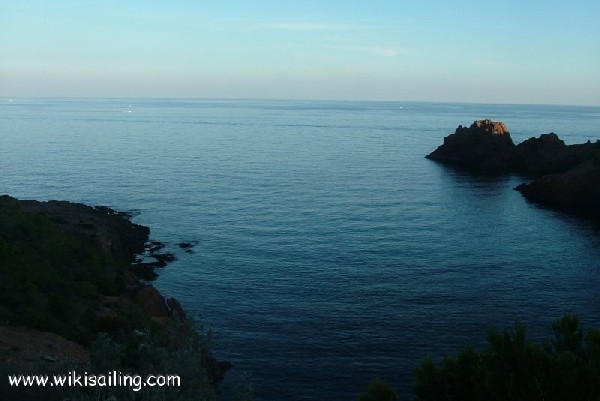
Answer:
(464, 52)
(266, 99)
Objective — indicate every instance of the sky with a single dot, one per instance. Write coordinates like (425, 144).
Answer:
(510, 51)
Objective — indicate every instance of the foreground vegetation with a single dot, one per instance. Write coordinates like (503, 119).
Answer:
(515, 368)
(512, 368)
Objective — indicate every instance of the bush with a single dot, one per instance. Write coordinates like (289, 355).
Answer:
(514, 368)
(48, 277)
(187, 359)
(379, 390)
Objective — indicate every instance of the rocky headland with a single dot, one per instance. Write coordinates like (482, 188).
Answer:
(564, 176)
(74, 295)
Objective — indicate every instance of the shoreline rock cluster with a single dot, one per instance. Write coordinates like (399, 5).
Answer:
(70, 271)
(566, 177)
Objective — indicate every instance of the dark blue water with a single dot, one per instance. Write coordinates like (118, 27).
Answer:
(329, 250)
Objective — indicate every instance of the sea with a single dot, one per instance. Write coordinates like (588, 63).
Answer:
(328, 250)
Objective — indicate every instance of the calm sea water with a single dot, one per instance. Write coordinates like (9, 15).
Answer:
(329, 251)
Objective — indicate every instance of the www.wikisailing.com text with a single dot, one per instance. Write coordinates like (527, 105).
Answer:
(111, 379)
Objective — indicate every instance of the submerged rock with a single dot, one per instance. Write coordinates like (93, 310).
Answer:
(187, 246)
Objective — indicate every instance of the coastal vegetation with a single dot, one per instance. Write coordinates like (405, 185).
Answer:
(50, 280)
(379, 390)
(512, 368)
(65, 283)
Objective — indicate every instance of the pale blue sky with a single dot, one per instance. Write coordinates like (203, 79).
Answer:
(513, 51)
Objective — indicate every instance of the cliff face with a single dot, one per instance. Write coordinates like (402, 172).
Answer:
(568, 176)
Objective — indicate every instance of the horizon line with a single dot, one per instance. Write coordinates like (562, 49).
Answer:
(10, 98)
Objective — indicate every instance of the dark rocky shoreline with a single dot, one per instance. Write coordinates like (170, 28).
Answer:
(121, 301)
(566, 177)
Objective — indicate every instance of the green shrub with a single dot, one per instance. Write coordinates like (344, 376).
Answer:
(48, 276)
(379, 390)
(515, 368)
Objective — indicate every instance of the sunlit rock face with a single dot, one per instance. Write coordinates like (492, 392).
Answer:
(488, 126)
(485, 147)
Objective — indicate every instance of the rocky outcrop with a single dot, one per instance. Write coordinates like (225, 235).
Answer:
(485, 147)
(67, 275)
(114, 232)
(543, 155)
(548, 154)
(577, 190)
(567, 175)
(157, 306)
